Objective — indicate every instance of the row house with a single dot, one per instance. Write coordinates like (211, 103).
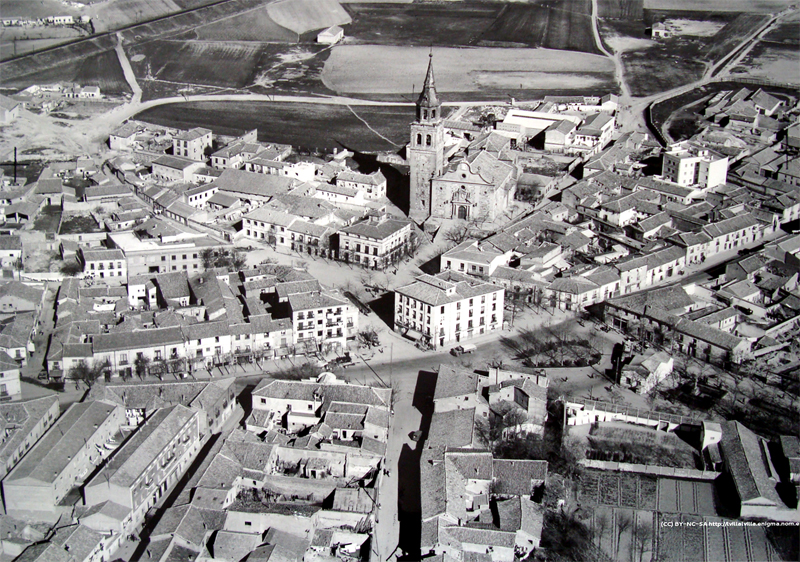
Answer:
(373, 185)
(593, 134)
(10, 252)
(269, 226)
(108, 264)
(580, 291)
(735, 232)
(234, 155)
(474, 258)
(376, 242)
(68, 452)
(122, 349)
(641, 272)
(339, 194)
(309, 238)
(694, 244)
(198, 196)
(32, 419)
(303, 171)
(144, 469)
(174, 169)
(448, 307)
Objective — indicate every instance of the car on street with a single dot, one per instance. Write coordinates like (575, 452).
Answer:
(462, 349)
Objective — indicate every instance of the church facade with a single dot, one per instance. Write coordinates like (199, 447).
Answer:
(477, 183)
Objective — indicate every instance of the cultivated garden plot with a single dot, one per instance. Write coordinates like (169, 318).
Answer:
(762, 6)
(773, 61)
(618, 441)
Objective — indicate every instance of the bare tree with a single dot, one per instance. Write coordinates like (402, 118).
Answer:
(457, 234)
(600, 525)
(624, 522)
(86, 373)
(641, 541)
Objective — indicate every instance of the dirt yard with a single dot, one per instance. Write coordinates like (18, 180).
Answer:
(354, 68)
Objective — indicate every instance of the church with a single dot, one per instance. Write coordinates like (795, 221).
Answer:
(453, 176)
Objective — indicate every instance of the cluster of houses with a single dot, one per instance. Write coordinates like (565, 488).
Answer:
(303, 479)
(178, 323)
(474, 505)
(92, 472)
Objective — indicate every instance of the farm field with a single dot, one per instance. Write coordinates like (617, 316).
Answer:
(227, 65)
(96, 68)
(621, 9)
(562, 24)
(689, 543)
(253, 25)
(303, 125)
(306, 15)
(758, 6)
(10, 49)
(420, 24)
(787, 32)
(733, 33)
(772, 61)
(623, 534)
(387, 70)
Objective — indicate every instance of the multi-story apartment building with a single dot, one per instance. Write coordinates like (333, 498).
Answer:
(31, 419)
(372, 185)
(687, 164)
(448, 307)
(321, 319)
(144, 468)
(106, 264)
(162, 255)
(192, 144)
(67, 452)
(375, 242)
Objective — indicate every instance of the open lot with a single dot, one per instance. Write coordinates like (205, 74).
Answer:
(385, 70)
(760, 6)
(38, 9)
(786, 32)
(772, 61)
(305, 125)
(306, 15)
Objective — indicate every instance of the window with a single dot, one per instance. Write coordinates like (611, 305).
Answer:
(419, 139)
(123, 358)
(158, 354)
(427, 140)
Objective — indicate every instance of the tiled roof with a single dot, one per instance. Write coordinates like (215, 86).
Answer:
(377, 230)
(731, 225)
(51, 454)
(517, 476)
(428, 288)
(192, 134)
(432, 484)
(21, 291)
(140, 339)
(452, 428)
(744, 454)
(251, 183)
(142, 449)
(302, 390)
(454, 382)
(174, 162)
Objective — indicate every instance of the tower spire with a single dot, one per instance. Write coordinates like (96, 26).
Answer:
(428, 97)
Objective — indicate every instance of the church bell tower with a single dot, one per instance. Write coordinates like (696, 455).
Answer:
(426, 149)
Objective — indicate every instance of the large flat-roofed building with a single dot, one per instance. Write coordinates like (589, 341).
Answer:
(146, 466)
(154, 255)
(66, 453)
(22, 424)
(448, 307)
